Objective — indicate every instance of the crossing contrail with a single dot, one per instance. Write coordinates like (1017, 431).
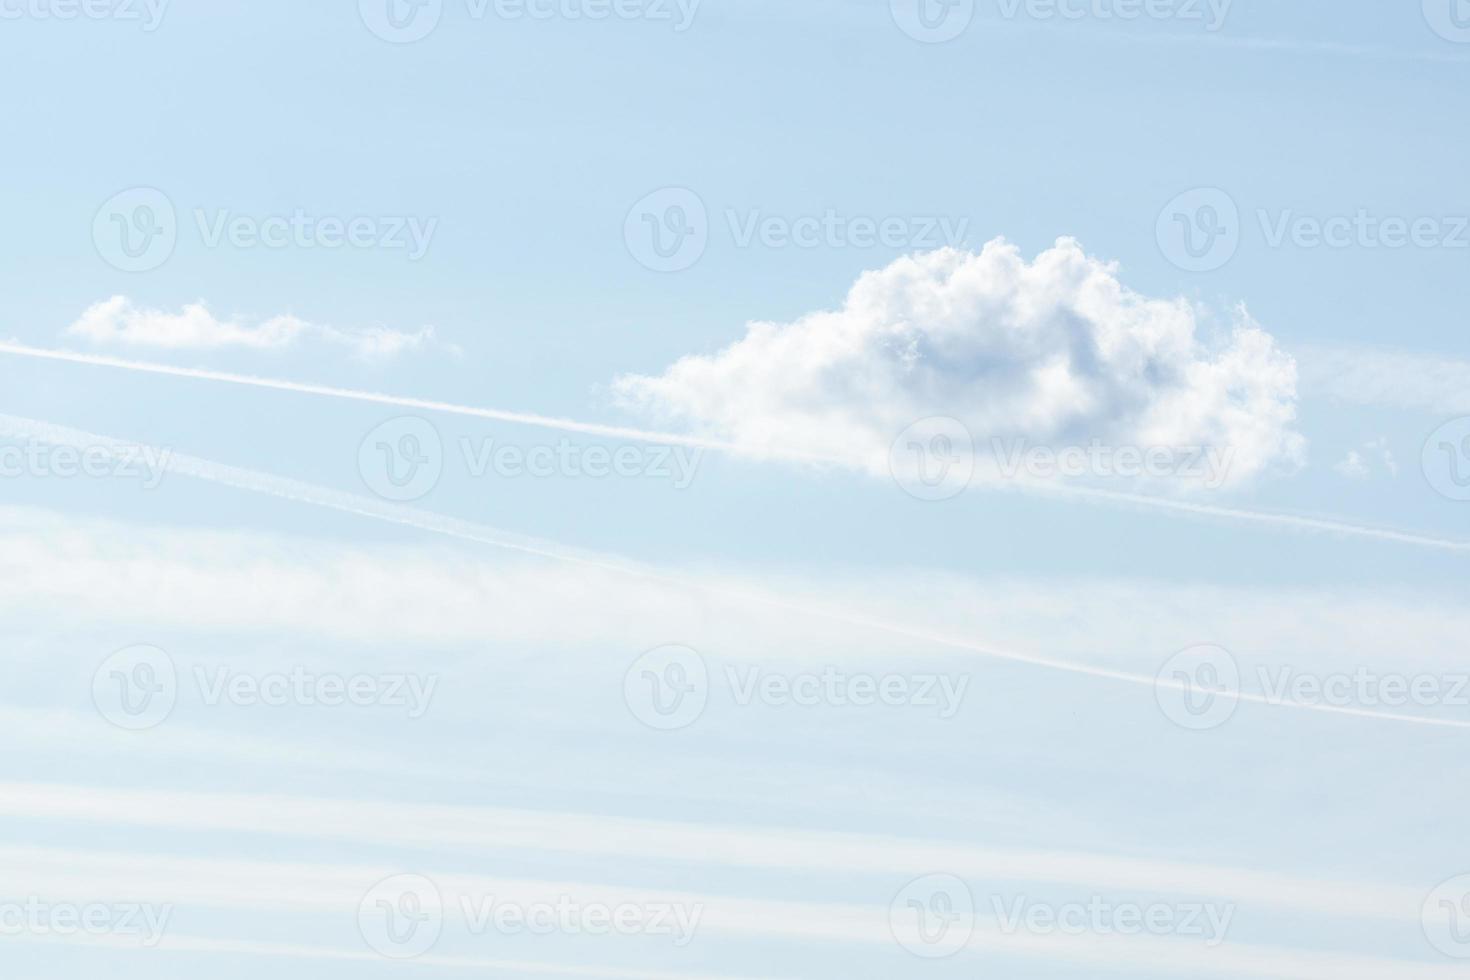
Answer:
(15, 427)
(1325, 525)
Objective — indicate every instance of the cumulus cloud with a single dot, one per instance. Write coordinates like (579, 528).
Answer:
(1052, 353)
(118, 322)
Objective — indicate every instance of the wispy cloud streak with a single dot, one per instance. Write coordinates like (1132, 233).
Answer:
(301, 492)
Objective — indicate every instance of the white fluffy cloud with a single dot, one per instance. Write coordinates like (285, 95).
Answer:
(1056, 352)
(117, 321)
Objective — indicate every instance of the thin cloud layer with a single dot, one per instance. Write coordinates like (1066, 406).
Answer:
(1053, 353)
(1382, 376)
(118, 322)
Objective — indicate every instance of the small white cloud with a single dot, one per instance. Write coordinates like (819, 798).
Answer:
(1056, 352)
(117, 321)
(1356, 466)
(1352, 466)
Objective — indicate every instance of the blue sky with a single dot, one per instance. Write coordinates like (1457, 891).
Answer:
(595, 456)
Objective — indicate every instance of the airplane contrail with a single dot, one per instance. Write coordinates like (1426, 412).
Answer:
(1302, 522)
(423, 404)
(296, 490)
(1299, 521)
